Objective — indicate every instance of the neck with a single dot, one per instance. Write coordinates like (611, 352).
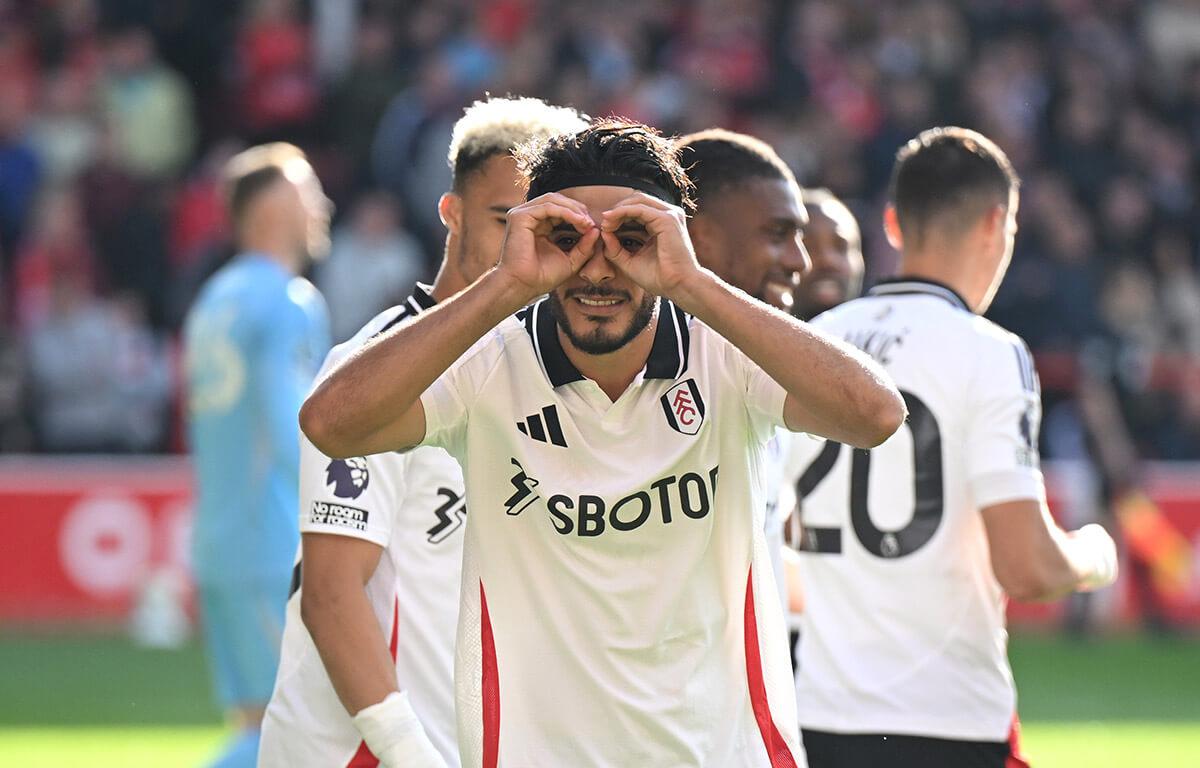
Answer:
(449, 280)
(274, 250)
(615, 371)
(952, 267)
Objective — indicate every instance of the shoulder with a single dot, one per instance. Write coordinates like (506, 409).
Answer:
(1002, 356)
(996, 340)
(375, 326)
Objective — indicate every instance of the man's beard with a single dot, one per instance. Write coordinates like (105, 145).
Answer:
(598, 342)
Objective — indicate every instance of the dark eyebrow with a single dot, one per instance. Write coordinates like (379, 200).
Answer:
(563, 226)
(787, 221)
(499, 209)
(632, 226)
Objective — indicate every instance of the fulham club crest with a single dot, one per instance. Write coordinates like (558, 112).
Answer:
(684, 407)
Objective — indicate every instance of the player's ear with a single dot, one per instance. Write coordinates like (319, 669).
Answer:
(450, 211)
(891, 227)
(994, 221)
(700, 230)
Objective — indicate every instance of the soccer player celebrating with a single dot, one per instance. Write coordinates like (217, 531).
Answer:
(254, 340)
(370, 627)
(834, 245)
(749, 216)
(747, 229)
(910, 548)
(612, 437)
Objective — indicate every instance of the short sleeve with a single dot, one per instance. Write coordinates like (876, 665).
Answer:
(1002, 433)
(449, 399)
(356, 497)
(763, 395)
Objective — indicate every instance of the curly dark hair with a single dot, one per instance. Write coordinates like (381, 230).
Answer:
(608, 147)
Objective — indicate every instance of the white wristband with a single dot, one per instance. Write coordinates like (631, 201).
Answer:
(395, 735)
(1102, 557)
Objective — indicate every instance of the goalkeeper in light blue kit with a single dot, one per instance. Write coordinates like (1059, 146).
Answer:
(254, 340)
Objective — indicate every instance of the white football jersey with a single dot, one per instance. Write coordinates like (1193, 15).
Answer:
(903, 629)
(412, 505)
(618, 604)
(781, 499)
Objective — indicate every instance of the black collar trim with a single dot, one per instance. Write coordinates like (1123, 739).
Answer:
(419, 301)
(910, 285)
(668, 354)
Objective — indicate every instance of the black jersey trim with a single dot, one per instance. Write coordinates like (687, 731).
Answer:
(419, 301)
(668, 354)
(1029, 379)
(918, 285)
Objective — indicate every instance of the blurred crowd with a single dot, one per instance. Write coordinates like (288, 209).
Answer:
(117, 115)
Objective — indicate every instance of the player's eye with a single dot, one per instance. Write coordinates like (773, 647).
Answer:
(566, 240)
(631, 244)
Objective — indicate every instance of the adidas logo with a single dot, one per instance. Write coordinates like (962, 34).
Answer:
(544, 427)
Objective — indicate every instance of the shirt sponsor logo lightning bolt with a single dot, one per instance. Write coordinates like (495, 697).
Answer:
(523, 494)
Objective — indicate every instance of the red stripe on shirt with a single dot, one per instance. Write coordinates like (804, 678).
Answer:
(777, 749)
(364, 758)
(1015, 759)
(491, 686)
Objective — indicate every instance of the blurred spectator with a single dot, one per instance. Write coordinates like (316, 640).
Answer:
(20, 171)
(128, 219)
(148, 106)
(278, 90)
(57, 244)
(101, 378)
(64, 133)
(1096, 103)
(372, 264)
(358, 99)
(408, 153)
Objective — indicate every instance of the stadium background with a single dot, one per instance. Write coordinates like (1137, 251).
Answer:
(115, 116)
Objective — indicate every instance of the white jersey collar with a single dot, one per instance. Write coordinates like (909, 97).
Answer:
(918, 285)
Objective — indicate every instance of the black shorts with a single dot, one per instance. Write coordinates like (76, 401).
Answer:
(874, 750)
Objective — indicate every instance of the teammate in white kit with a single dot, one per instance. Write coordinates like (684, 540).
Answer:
(911, 548)
(747, 229)
(617, 610)
(382, 535)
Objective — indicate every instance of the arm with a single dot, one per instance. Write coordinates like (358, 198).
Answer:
(371, 403)
(832, 389)
(1032, 557)
(336, 612)
(836, 391)
(335, 609)
(1035, 560)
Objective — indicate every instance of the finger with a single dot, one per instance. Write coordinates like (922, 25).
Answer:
(655, 220)
(645, 199)
(583, 249)
(533, 216)
(557, 198)
(612, 248)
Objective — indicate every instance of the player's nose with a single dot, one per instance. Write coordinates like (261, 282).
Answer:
(794, 258)
(597, 268)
